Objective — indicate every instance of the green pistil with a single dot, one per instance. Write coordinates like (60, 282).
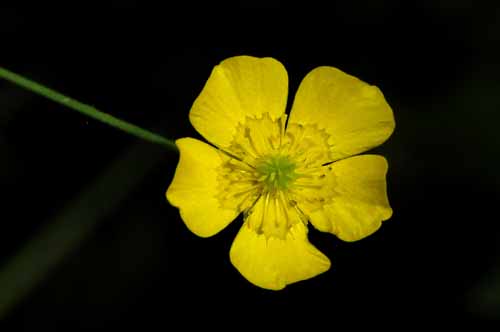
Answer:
(277, 172)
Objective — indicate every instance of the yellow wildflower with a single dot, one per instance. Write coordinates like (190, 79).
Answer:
(282, 174)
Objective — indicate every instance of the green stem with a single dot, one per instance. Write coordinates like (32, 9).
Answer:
(85, 109)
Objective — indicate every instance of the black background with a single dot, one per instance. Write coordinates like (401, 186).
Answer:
(438, 257)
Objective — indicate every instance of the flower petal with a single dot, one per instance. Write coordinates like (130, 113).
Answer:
(273, 263)
(353, 113)
(239, 87)
(194, 187)
(360, 202)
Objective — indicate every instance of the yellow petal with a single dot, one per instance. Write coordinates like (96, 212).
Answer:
(353, 113)
(273, 263)
(360, 202)
(237, 88)
(194, 187)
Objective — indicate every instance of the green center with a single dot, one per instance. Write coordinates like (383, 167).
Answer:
(276, 171)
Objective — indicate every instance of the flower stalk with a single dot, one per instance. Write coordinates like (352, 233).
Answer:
(86, 109)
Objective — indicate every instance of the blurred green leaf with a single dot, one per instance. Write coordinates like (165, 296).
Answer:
(62, 235)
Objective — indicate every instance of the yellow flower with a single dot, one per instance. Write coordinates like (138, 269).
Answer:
(282, 173)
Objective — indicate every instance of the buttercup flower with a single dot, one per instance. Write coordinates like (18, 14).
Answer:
(280, 172)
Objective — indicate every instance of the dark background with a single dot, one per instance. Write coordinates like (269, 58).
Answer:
(438, 257)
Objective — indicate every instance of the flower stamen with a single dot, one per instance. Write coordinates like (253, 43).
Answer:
(274, 169)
